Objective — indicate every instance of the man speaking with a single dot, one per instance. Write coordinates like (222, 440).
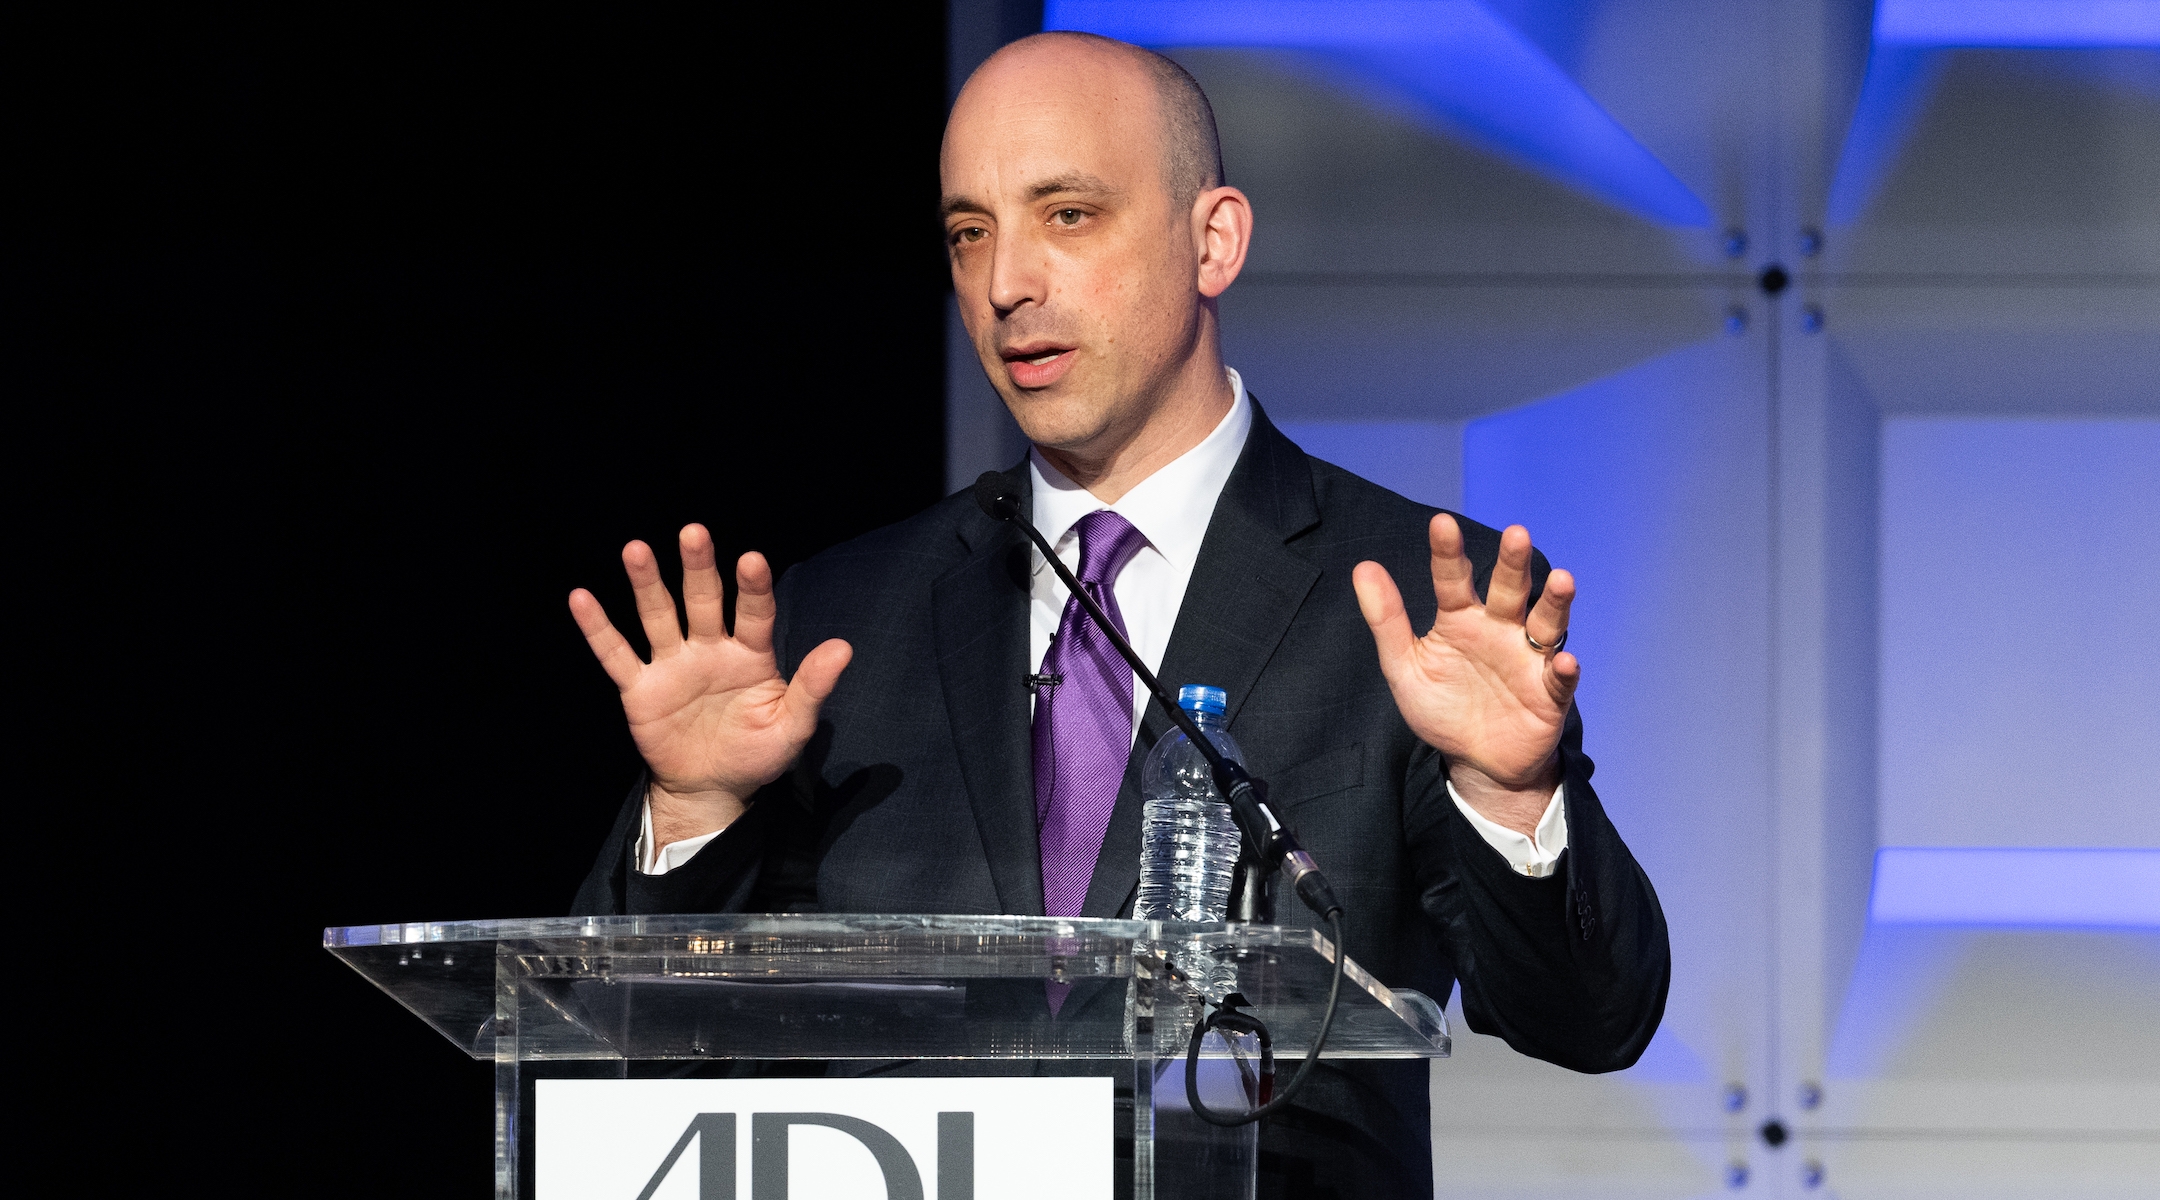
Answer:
(867, 740)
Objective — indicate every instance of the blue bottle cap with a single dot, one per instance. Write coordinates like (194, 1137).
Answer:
(1200, 698)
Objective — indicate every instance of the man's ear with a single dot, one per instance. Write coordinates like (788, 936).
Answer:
(1222, 232)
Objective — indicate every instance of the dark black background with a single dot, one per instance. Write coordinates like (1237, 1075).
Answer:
(368, 338)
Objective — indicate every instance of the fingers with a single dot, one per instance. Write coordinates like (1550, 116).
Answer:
(1509, 592)
(1382, 605)
(815, 680)
(754, 605)
(700, 585)
(655, 604)
(616, 657)
(1452, 584)
(1563, 674)
(1548, 620)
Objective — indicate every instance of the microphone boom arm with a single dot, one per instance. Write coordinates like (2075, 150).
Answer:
(1269, 839)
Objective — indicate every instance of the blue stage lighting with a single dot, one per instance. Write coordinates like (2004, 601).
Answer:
(1899, 79)
(2016, 886)
(2018, 22)
(1447, 62)
(1911, 37)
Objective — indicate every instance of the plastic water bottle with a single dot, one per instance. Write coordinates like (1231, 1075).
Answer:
(1188, 840)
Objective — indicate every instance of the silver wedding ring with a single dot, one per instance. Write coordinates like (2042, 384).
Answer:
(1544, 649)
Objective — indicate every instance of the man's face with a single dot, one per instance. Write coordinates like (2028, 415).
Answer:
(1076, 279)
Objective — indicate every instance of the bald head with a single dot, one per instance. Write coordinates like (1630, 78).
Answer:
(1191, 148)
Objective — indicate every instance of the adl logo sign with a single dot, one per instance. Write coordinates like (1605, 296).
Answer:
(715, 1135)
(682, 1139)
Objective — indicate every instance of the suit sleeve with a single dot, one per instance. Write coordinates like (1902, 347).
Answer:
(1571, 968)
(723, 876)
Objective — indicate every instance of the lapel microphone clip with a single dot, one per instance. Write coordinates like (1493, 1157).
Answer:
(1035, 683)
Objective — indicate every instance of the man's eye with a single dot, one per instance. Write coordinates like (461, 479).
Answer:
(1069, 216)
(973, 233)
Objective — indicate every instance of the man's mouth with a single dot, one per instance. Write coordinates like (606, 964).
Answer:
(1037, 365)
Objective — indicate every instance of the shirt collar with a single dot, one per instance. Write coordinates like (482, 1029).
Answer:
(1170, 508)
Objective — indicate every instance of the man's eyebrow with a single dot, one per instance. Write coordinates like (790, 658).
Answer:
(961, 204)
(1071, 182)
(1075, 181)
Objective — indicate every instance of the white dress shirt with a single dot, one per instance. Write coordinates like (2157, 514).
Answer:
(1171, 509)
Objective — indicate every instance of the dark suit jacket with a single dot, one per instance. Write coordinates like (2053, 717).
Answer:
(916, 794)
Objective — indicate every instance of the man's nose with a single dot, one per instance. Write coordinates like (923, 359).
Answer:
(1017, 276)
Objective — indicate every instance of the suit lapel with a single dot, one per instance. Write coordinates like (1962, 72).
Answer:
(979, 610)
(1246, 587)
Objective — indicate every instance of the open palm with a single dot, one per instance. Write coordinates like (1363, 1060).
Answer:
(711, 714)
(1473, 687)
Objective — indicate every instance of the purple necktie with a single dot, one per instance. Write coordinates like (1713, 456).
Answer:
(1083, 723)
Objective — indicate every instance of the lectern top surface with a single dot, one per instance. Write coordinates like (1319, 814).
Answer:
(850, 926)
(841, 986)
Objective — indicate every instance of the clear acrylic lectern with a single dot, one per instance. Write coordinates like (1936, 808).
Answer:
(953, 996)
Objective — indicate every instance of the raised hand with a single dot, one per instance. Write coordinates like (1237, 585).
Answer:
(710, 712)
(1474, 688)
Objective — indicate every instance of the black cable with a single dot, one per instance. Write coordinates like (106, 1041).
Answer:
(1267, 839)
(1244, 1023)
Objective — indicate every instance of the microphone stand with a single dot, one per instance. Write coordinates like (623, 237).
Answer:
(1271, 843)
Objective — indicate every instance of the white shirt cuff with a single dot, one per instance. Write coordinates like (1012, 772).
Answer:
(1534, 857)
(660, 861)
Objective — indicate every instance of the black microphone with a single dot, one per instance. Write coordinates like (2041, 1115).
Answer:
(1266, 838)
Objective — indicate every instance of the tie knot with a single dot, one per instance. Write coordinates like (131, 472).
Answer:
(1107, 542)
